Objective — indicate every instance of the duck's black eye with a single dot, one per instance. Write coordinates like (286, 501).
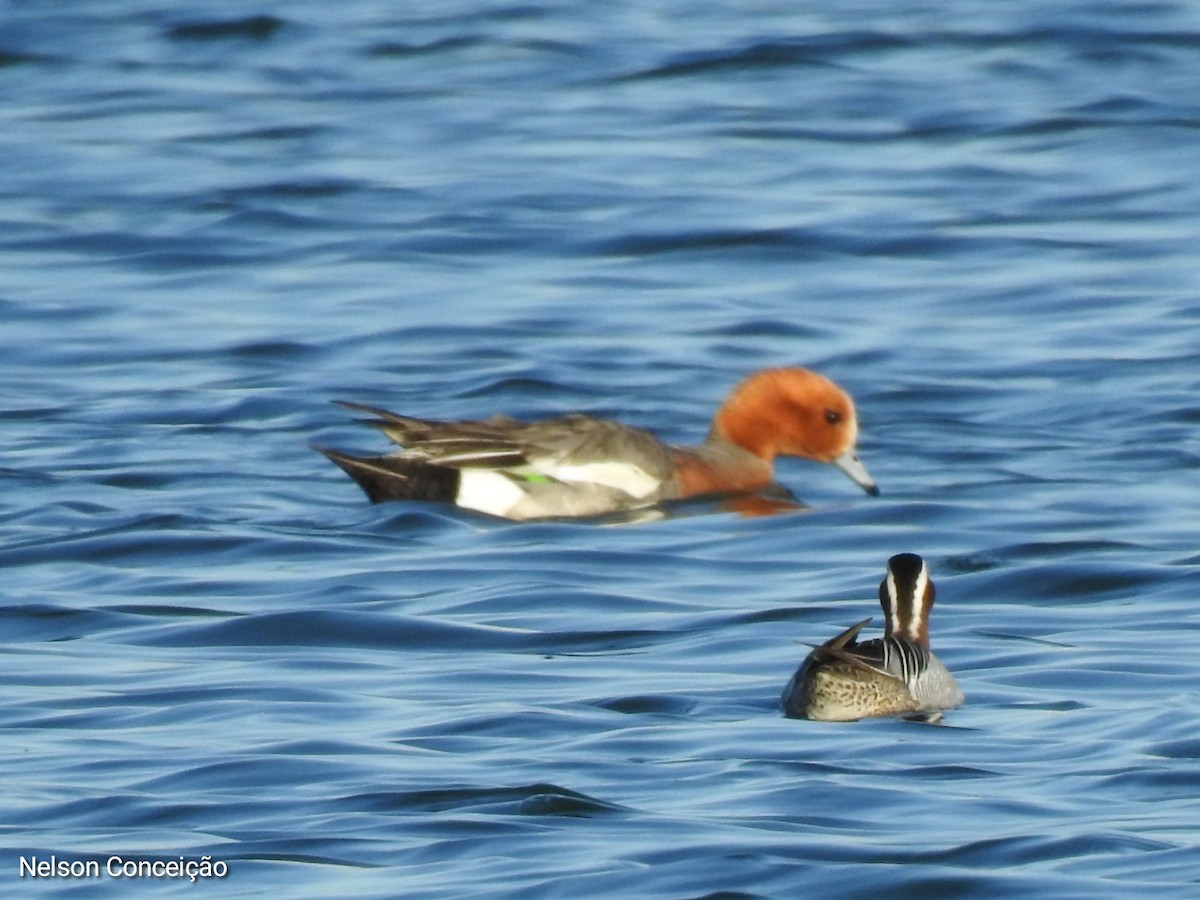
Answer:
(832, 416)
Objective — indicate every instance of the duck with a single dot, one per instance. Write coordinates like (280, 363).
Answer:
(578, 465)
(896, 675)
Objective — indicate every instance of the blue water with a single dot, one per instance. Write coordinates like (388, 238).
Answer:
(981, 218)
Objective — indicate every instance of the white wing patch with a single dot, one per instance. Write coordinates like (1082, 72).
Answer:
(631, 479)
(556, 489)
(488, 491)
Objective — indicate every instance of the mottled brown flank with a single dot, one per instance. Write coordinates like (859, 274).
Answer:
(841, 692)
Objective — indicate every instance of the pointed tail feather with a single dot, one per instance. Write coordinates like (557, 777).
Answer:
(385, 478)
(398, 428)
(846, 637)
(838, 647)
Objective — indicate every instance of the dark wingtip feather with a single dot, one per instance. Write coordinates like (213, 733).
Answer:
(385, 478)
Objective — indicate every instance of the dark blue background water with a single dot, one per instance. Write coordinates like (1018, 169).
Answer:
(982, 219)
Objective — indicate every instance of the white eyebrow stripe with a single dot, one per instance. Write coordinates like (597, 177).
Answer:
(893, 604)
(916, 609)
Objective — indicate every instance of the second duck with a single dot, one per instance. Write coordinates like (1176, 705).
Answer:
(843, 680)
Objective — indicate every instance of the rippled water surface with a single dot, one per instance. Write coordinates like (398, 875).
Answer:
(215, 219)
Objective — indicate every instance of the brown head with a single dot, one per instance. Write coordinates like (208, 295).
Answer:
(906, 595)
(793, 412)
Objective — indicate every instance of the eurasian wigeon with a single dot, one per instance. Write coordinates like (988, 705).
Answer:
(578, 465)
(842, 680)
